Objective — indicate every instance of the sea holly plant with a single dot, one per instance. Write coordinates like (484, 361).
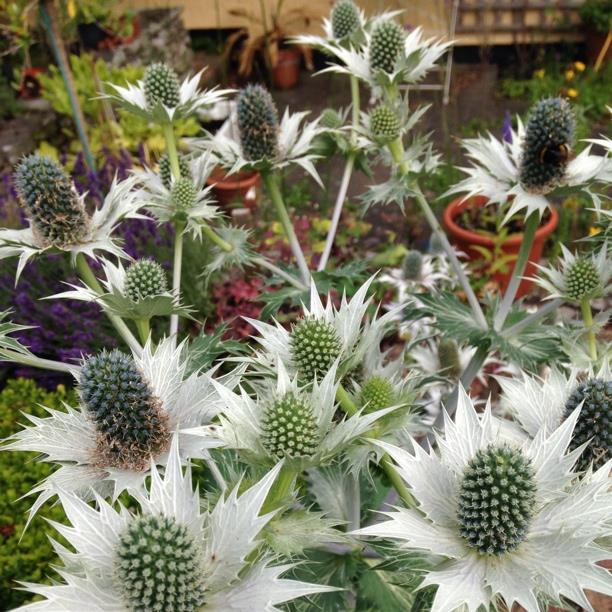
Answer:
(341, 462)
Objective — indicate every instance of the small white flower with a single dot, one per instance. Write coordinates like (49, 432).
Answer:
(170, 555)
(495, 171)
(90, 453)
(544, 542)
(120, 203)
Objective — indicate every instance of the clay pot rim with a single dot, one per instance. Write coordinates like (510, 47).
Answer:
(457, 205)
(234, 184)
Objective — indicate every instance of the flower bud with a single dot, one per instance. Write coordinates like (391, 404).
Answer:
(344, 18)
(315, 345)
(386, 46)
(161, 86)
(144, 278)
(257, 123)
(384, 123)
(412, 265)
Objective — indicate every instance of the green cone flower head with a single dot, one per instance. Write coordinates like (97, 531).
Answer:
(386, 46)
(448, 357)
(257, 123)
(412, 265)
(582, 280)
(130, 423)
(330, 119)
(376, 393)
(315, 345)
(158, 566)
(548, 138)
(594, 424)
(344, 18)
(496, 500)
(384, 123)
(289, 429)
(161, 86)
(48, 195)
(144, 278)
(183, 195)
(165, 170)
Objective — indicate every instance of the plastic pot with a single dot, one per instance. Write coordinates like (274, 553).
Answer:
(286, 73)
(241, 187)
(466, 240)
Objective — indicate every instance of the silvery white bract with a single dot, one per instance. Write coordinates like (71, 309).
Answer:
(191, 99)
(294, 139)
(256, 426)
(170, 555)
(495, 171)
(70, 437)
(120, 203)
(116, 301)
(157, 197)
(560, 523)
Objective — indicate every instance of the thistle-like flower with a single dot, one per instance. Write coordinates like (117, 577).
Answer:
(57, 216)
(321, 336)
(544, 403)
(345, 19)
(386, 46)
(289, 421)
(130, 407)
(253, 139)
(384, 123)
(138, 293)
(170, 555)
(535, 162)
(579, 277)
(501, 518)
(159, 96)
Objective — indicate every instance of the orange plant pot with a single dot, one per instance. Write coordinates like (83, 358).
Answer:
(239, 187)
(466, 240)
(286, 73)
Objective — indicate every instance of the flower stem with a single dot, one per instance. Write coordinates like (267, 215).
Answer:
(279, 490)
(587, 316)
(86, 273)
(210, 233)
(268, 265)
(531, 226)
(36, 362)
(277, 199)
(176, 272)
(168, 132)
(144, 329)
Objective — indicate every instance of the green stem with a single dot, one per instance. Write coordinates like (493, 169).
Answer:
(277, 199)
(587, 316)
(36, 362)
(279, 490)
(144, 329)
(531, 226)
(176, 272)
(355, 104)
(168, 132)
(86, 273)
(210, 233)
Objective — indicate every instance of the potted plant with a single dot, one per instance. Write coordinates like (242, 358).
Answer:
(232, 188)
(475, 230)
(596, 15)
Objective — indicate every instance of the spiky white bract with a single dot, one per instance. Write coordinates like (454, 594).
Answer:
(578, 276)
(97, 577)
(157, 198)
(191, 99)
(115, 299)
(69, 438)
(120, 203)
(354, 335)
(245, 421)
(495, 173)
(567, 522)
(295, 145)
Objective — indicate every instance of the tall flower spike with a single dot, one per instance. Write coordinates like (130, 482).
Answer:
(345, 18)
(144, 278)
(165, 171)
(386, 46)
(548, 138)
(161, 86)
(257, 123)
(51, 201)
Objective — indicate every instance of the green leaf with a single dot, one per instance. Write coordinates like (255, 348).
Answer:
(8, 327)
(205, 349)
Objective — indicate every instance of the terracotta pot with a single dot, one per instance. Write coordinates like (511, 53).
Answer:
(465, 240)
(240, 187)
(286, 73)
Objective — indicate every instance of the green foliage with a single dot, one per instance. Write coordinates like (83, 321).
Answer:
(598, 14)
(9, 106)
(29, 558)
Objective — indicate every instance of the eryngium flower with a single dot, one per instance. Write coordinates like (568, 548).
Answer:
(384, 123)
(165, 170)
(161, 86)
(546, 146)
(412, 265)
(376, 393)
(51, 201)
(171, 556)
(449, 359)
(498, 521)
(331, 119)
(582, 280)
(315, 345)
(345, 18)
(184, 195)
(257, 123)
(386, 45)
(144, 278)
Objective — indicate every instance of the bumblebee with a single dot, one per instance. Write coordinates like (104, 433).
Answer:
(552, 153)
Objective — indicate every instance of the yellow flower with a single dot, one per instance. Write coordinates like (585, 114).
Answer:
(569, 75)
(593, 231)
(579, 66)
(572, 93)
(539, 73)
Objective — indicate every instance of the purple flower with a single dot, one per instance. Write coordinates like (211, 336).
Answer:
(507, 128)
